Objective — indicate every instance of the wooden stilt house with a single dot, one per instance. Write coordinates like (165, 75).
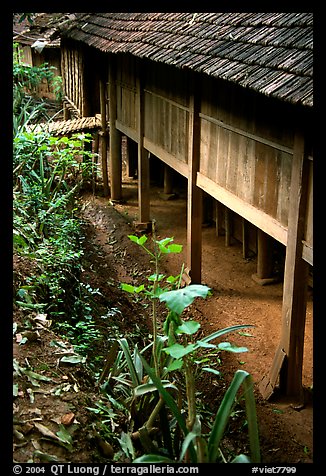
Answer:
(225, 100)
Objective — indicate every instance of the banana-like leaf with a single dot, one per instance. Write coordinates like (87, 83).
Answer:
(132, 369)
(226, 330)
(150, 387)
(172, 405)
(138, 364)
(224, 412)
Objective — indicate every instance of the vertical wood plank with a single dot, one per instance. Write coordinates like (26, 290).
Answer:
(143, 156)
(115, 137)
(194, 205)
(104, 140)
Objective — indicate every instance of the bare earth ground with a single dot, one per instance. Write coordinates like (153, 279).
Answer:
(286, 429)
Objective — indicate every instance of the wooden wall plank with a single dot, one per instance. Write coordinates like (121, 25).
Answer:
(252, 214)
(166, 157)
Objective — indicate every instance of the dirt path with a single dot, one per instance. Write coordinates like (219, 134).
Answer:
(286, 431)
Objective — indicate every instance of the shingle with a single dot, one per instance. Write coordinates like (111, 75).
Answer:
(262, 51)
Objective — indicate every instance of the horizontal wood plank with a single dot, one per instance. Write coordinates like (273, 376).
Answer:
(255, 216)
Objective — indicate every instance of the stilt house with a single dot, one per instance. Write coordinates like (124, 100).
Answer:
(225, 100)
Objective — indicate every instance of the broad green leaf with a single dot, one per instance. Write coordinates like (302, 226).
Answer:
(128, 287)
(231, 347)
(139, 289)
(177, 351)
(64, 436)
(164, 242)
(188, 327)
(172, 279)
(174, 248)
(140, 241)
(175, 365)
(153, 459)
(179, 299)
(126, 445)
(156, 277)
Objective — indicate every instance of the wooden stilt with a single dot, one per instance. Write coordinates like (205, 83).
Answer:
(115, 139)
(144, 223)
(218, 218)
(245, 245)
(132, 157)
(104, 139)
(228, 226)
(168, 180)
(288, 360)
(194, 205)
(265, 257)
(265, 262)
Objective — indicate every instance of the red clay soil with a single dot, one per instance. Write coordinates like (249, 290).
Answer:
(285, 427)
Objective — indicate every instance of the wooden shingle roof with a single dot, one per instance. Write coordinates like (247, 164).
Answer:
(271, 53)
(42, 27)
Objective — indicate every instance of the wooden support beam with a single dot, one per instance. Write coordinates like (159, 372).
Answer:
(168, 180)
(245, 239)
(219, 218)
(143, 160)
(104, 139)
(265, 257)
(227, 226)
(265, 262)
(115, 138)
(194, 204)
(132, 157)
(288, 360)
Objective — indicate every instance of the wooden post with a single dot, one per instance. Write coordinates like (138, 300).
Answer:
(194, 204)
(218, 218)
(144, 223)
(288, 360)
(132, 157)
(265, 257)
(228, 226)
(245, 238)
(115, 138)
(168, 180)
(265, 260)
(104, 139)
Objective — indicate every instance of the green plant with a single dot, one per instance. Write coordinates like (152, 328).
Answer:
(27, 78)
(156, 388)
